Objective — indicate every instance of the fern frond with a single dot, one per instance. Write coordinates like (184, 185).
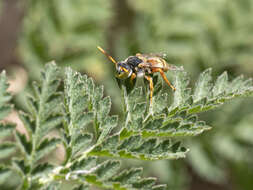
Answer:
(6, 129)
(5, 173)
(206, 95)
(5, 97)
(7, 148)
(78, 113)
(45, 114)
(136, 147)
(90, 134)
(81, 88)
(107, 175)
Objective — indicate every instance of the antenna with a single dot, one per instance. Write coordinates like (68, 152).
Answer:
(111, 59)
(107, 55)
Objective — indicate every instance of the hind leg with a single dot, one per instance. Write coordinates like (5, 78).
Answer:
(165, 78)
(151, 87)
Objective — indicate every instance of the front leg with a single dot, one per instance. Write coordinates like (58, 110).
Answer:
(133, 76)
(151, 87)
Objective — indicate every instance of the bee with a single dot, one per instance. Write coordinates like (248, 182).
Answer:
(142, 65)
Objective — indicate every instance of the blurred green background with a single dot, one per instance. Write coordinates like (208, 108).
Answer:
(197, 34)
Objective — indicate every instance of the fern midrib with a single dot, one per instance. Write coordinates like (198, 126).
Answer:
(35, 137)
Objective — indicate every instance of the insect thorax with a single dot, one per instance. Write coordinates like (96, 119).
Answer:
(133, 61)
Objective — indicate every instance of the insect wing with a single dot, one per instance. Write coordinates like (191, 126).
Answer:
(149, 55)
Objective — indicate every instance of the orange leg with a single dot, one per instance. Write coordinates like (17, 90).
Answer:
(165, 79)
(133, 76)
(151, 87)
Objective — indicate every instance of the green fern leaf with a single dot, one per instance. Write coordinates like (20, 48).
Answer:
(6, 130)
(21, 166)
(45, 114)
(135, 147)
(109, 124)
(45, 109)
(182, 93)
(208, 96)
(90, 134)
(84, 164)
(41, 169)
(28, 122)
(128, 176)
(77, 101)
(6, 149)
(5, 97)
(107, 170)
(24, 144)
(105, 175)
(85, 104)
(81, 142)
(221, 84)
(81, 187)
(5, 173)
(203, 86)
(52, 186)
(45, 147)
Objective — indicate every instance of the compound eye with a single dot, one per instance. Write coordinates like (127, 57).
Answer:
(119, 69)
(119, 72)
(122, 67)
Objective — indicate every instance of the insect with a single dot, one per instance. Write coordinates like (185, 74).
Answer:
(142, 65)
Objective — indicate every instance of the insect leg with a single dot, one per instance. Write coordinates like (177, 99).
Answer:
(151, 87)
(165, 79)
(133, 76)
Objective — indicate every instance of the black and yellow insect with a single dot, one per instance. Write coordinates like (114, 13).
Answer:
(142, 65)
